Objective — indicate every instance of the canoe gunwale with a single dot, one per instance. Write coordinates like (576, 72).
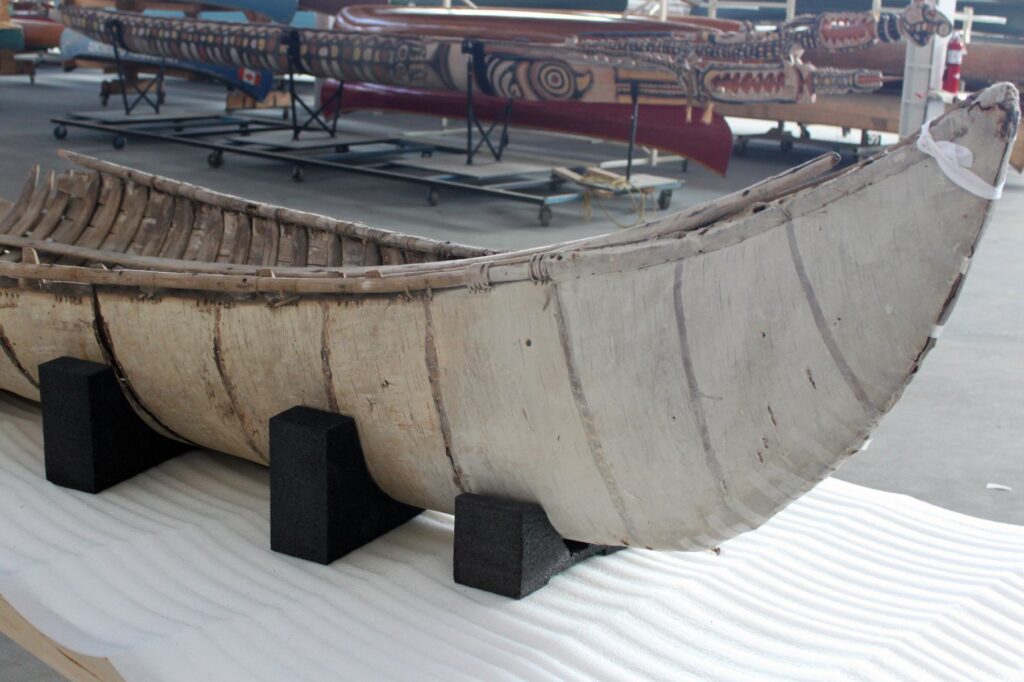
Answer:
(658, 242)
(477, 272)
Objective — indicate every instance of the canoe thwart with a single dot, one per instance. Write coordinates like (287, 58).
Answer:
(509, 547)
(323, 501)
(92, 438)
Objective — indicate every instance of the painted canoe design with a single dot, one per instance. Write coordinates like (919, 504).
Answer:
(665, 386)
(706, 138)
(535, 56)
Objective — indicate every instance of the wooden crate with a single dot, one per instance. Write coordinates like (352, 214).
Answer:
(275, 99)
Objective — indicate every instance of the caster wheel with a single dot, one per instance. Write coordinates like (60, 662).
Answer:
(60, 132)
(298, 175)
(119, 142)
(665, 199)
(104, 99)
(786, 146)
(545, 216)
(426, 154)
(433, 197)
(741, 148)
(215, 159)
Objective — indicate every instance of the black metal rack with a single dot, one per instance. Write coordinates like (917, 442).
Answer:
(387, 157)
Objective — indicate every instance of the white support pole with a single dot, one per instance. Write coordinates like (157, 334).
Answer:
(922, 78)
(790, 9)
(712, 8)
(968, 23)
(663, 10)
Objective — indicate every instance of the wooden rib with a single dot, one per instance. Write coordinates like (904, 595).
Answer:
(55, 209)
(352, 252)
(103, 219)
(390, 256)
(5, 206)
(213, 235)
(324, 250)
(210, 232)
(181, 229)
(294, 246)
(34, 212)
(234, 248)
(371, 254)
(133, 207)
(16, 211)
(255, 209)
(156, 223)
(79, 211)
(266, 237)
(415, 256)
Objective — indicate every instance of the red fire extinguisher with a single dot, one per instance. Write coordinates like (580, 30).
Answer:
(954, 63)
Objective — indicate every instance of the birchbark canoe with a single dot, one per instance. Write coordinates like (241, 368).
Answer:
(667, 386)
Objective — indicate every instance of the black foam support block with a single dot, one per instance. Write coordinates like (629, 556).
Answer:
(92, 438)
(323, 501)
(510, 548)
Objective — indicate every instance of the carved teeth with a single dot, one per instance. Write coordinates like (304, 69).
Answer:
(748, 82)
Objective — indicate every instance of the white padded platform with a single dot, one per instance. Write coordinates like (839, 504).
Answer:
(170, 577)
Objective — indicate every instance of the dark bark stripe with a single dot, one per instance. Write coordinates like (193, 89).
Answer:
(107, 348)
(586, 414)
(434, 376)
(325, 358)
(9, 352)
(823, 329)
(229, 388)
(696, 402)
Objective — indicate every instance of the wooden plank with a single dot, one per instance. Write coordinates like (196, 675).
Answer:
(237, 236)
(156, 225)
(129, 217)
(266, 237)
(294, 246)
(54, 213)
(371, 254)
(391, 256)
(352, 252)
(79, 211)
(23, 201)
(322, 246)
(207, 232)
(71, 664)
(181, 229)
(103, 219)
(27, 221)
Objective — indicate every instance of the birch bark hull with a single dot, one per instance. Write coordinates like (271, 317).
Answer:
(660, 387)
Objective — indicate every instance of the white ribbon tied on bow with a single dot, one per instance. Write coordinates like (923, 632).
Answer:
(955, 161)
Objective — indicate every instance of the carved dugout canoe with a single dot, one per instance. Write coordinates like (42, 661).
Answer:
(666, 386)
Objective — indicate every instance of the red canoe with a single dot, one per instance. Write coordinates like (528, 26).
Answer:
(659, 127)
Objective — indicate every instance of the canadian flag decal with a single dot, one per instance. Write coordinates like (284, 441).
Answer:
(249, 76)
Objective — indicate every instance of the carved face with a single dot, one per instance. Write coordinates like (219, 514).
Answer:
(920, 21)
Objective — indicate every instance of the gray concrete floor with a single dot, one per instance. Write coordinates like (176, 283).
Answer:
(958, 427)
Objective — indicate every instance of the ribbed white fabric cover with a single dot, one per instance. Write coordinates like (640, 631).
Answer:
(170, 576)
